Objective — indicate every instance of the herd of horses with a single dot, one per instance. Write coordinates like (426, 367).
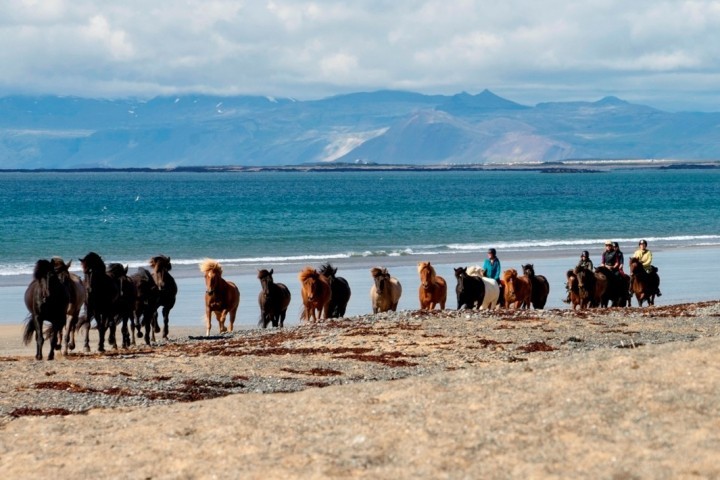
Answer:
(110, 296)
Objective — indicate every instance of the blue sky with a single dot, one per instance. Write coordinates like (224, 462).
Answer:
(661, 53)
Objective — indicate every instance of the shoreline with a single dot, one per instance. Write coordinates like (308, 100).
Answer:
(678, 269)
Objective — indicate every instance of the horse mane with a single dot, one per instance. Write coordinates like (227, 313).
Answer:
(42, 268)
(509, 274)
(209, 264)
(116, 270)
(306, 273)
(94, 260)
(328, 270)
(162, 260)
(423, 265)
(377, 271)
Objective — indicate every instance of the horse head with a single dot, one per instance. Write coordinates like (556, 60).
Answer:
(529, 270)
(266, 278)
(212, 270)
(160, 265)
(92, 261)
(427, 274)
(328, 270)
(460, 275)
(381, 277)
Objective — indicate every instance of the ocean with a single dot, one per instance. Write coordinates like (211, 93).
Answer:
(356, 220)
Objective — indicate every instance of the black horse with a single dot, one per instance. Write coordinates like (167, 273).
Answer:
(167, 289)
(47, 300)
(125, 304)
(470, 290)
(146, 304)
(102, 294)
(273, 299)
(339, 292)
(617, 293)
(540, 287)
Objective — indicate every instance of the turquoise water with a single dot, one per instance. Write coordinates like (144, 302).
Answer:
(266, 217)
(356, 220)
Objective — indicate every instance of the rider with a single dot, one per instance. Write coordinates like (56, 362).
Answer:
(620, 258)
(491, 265)
(584, 262)
(645, 256)
(609, 258)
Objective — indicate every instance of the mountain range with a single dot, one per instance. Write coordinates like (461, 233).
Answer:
(383, 127)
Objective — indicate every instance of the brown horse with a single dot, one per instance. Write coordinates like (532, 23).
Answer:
(167, 292)
(315, 291)
(433, 288)
(385, 292)
(574, 290)
(518, 290)
(643, 284)
(592, 287)
(221, 297)
(540, 286)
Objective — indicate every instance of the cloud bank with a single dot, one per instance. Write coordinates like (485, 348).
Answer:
(664, 53)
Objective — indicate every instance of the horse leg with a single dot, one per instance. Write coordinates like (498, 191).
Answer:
(166, 321)
(39, 339)
(231, 319)
(112, 330)
(208, 321)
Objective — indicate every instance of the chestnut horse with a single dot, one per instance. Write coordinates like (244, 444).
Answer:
(518, 290)
(385, 292)
(591, 287)
(221, 297)
(315, 291)
(540, 286)
(433, 288)
(643, 284)
(574, 290)
(273, 299)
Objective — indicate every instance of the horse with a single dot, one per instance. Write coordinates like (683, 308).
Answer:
(340, 291)
(433, 288)
(617, 293)
(221, 296)
(591, 287)
(102, 294)
(643, 284)
(470, 289)
(540, 286)
(518, 290)
(492, 288)
(573, 288)
(315, 291)
(76, 295)
(46, 300)
(125, 304)
(385, 292)
(167, 292)
(273, 299)
(146, 305)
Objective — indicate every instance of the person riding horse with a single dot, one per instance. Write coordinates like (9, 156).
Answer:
(645, 256)
(584, 262)
(610, 258)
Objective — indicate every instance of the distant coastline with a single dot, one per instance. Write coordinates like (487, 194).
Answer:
(568, 166)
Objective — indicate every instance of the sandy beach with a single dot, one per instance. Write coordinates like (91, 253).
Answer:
(614, 393)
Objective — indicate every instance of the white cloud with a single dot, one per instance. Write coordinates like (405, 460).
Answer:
(530, 51)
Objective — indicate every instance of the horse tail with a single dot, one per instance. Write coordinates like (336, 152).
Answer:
(29, 330)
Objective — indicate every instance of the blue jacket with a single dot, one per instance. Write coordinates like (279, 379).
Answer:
(492, 269)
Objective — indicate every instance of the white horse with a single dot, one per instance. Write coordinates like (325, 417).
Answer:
(492, 289)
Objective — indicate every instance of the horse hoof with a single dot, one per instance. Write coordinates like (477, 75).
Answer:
(86, 349)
